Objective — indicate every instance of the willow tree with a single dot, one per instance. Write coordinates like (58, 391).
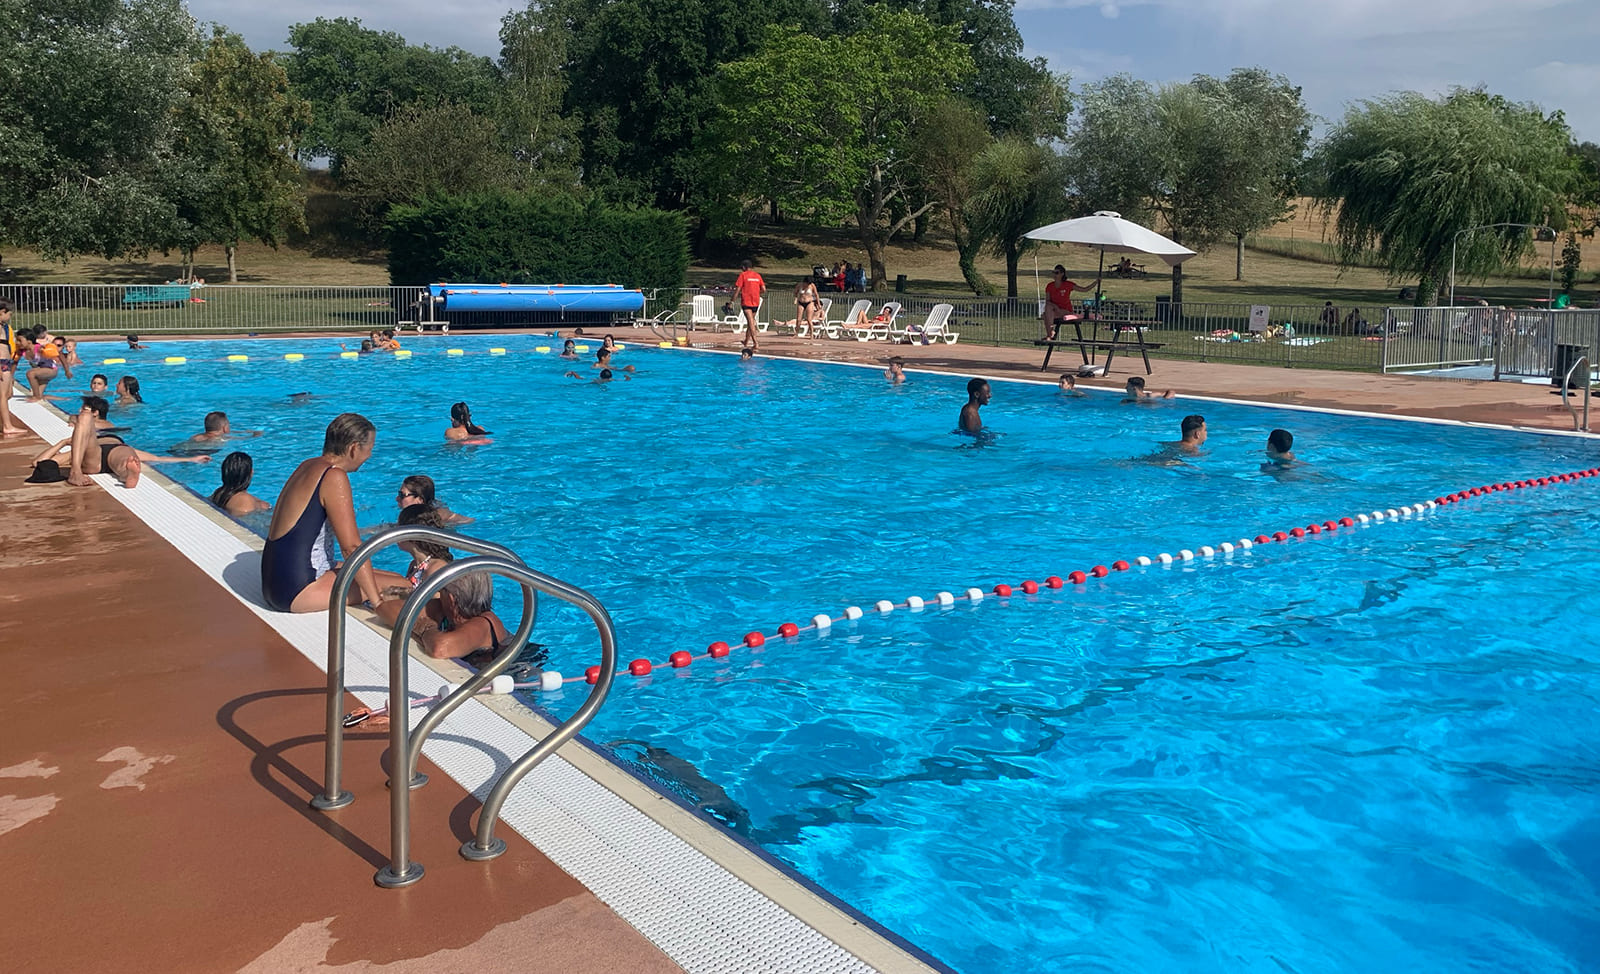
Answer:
(1403, 176)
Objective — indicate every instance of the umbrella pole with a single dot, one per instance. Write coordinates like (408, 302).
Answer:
(1099, 293)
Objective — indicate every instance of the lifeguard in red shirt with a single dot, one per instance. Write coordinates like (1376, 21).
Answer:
(751, 290)
(1058, 300)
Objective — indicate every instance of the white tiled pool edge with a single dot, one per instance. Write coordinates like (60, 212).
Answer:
(663, 880)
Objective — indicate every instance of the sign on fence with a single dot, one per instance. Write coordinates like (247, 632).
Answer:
(1259, 314)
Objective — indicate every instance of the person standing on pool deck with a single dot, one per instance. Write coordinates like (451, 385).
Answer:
(8, 375)
(977, 397)
(751, 288)
(296, 572)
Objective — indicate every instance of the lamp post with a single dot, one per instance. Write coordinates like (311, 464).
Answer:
(1550, 292)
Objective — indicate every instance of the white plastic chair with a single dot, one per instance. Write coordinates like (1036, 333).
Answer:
(876, 329)
(934, 328)
(736, 321)
(704, 311)
(831, 327)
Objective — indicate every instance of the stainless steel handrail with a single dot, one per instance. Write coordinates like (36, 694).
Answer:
(405, 747)
(484, 846)
(331, 797)
(1566, 381)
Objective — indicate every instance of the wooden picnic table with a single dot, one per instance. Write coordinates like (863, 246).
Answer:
(1124, 334)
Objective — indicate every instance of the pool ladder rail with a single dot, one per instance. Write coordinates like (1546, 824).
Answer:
(1566, 383)
(405, 745)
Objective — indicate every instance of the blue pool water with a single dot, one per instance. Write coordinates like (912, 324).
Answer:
(1374, 750)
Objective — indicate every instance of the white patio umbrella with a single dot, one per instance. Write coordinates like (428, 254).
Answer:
(1110, 232)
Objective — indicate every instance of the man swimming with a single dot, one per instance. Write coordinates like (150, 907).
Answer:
(217, 430)
(977, 397)
(1134, 391)
(1280, 452)
(896, 372)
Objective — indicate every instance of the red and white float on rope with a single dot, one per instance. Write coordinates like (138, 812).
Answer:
(915, 603)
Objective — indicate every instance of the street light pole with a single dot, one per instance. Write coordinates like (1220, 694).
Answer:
(1549, 293)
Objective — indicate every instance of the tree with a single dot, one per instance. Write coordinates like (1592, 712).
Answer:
(1276, 130)
(86, 123)
(844, 142)
(640, 81)
(1209, 158)
(1017, 185)
(355, 78)
(235, 146)
(1404, 174)
(542, 140)
(428, 150)
(945, 144)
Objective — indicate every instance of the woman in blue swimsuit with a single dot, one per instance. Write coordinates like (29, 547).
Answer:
(297, 562)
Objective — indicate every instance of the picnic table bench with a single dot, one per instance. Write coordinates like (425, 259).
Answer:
(155, 294)
(1123, 334)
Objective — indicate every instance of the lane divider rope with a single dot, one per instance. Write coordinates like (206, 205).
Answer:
(347, 354)
(551, 680)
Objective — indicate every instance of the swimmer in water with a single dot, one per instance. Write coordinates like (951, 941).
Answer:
(1068, 386)
(463, 429)
(1134, 392)
(1280, 452)
(977, 397)
(234, 495)
(569, 350)
(896, 372)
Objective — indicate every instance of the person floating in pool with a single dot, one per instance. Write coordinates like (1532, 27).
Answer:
(1280, 452)
(217, 431)
(234, 495)
(1193, 431)
(605, 376)
(296, 568)
(747, 354)
(459, 624)
(602, 360)
(896, 372)
(90, 451)
(463, 430)
(569, 350)
(127, 390)
(977, 397)
(1067, 385)
(1134, 391)
(134, 345)
(420, 489)
(99, 385)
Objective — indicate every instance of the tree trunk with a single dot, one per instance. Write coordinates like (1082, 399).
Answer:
(1427, 290)
(1238, 257)
(188, 264)
(233, 263)
(919, 228)
(967, 256)
(775, 214)
(1177, 289)
(877, 270)
(1013, 258)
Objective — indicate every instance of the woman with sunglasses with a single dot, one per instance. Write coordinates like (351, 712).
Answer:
(419, 489)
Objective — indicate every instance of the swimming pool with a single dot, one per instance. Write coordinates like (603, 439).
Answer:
(1312, 756)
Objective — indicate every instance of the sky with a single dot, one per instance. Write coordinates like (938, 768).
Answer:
(1338, 51)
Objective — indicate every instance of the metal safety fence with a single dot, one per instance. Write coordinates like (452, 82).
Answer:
(1281, 335)
(1522, 343)
(146, 309)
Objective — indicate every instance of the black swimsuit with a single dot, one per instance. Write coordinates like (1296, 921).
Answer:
(291, 562)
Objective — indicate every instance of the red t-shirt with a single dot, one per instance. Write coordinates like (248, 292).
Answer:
(1060, 294)
(749, 285)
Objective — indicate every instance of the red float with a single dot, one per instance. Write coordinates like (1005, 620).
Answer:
(718, 650)
(1280, 536)
(754, 639)
(1002, 590)
(1054, 581)
(639, 667)
(1313, 529)
(1263, 539)
(1031, 587)
(788, 629)
(1077, 578)
(1099, 571)
(592, 675)
(1119, 566)
(680, 659)
(1296, 533)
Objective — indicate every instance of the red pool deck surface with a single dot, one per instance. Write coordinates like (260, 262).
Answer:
(159, 743)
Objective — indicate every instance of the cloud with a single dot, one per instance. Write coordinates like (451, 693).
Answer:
(1109, 11)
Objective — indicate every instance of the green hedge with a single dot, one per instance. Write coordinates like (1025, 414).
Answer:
(513, 238)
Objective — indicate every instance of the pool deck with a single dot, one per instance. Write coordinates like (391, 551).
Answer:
(160, 743)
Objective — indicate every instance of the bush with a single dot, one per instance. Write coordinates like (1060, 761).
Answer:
(515, 238)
